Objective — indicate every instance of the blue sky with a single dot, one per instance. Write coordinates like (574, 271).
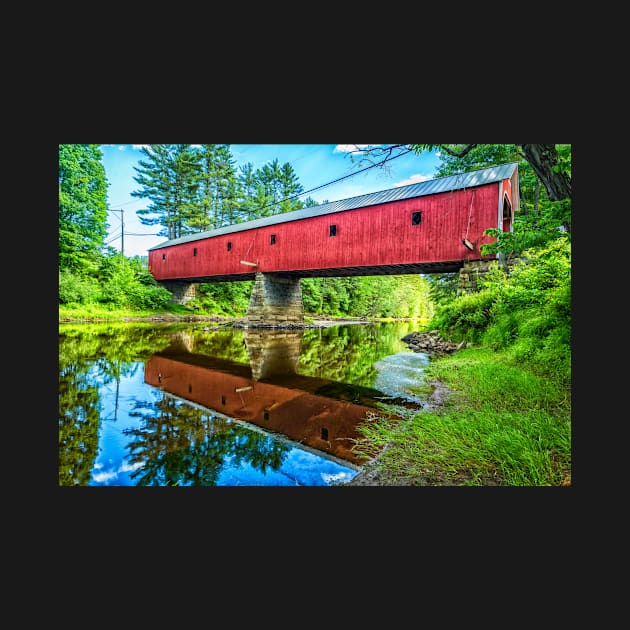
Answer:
(314, 164)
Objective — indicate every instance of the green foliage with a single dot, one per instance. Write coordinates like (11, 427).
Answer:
(466, 317)
(224, 298)
(194, 189)
(526, 311)
(368, 296)
(442, 286)
(75, 288)
(117, 283)
(125, 283)
(82, 206)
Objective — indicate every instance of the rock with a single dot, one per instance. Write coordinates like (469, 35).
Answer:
(431, 343)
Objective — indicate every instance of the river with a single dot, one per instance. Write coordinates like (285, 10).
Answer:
(184, 404)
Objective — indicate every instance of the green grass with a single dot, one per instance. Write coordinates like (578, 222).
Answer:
(91, 312)
(502, 425)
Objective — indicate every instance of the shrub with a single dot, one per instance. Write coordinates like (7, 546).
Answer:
(77, 289)
(466, 317)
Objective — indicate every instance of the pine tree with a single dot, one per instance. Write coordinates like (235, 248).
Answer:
(219, 195)
(156, 180)
(279, 186)
(290, 187)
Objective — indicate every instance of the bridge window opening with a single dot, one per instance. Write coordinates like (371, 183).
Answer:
(266, 414)
(163, 256)
(272, 240)
(229, 246)
(324, 433)
(416, 218)
(190, 389)
(223, 400)
(195, 251)
(332, 231)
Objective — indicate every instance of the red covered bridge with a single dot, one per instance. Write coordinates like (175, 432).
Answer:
(430, 227)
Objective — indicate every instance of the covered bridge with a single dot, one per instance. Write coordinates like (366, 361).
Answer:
(435, 226)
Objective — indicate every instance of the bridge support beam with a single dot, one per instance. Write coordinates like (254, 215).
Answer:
(183, 292)
(275, 301)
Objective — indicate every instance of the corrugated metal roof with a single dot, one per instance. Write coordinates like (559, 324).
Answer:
(429, 187)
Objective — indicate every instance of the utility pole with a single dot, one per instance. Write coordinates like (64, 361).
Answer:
(122, 230)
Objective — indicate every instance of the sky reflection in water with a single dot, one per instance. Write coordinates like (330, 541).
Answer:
(290, 433)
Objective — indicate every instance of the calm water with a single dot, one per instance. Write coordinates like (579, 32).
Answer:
(196, 405)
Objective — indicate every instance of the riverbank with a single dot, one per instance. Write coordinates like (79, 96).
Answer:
(375, 473)
(238, 322)
(489, 419)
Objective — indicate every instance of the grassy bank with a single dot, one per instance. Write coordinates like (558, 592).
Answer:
(502, 425)
(98, 312)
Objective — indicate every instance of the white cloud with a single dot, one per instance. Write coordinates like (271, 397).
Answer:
(338, 477)
(125, 467)
(104, 476)
(111, 475)
(414, 179)
(352, 148)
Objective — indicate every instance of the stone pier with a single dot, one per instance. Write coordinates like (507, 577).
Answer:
(275, 301)
(470, 274)
(183, 292)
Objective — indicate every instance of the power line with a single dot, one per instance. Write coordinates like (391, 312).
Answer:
(334, 181)
(296, 196)
(353, 174)
(122, 230)
(113, 238)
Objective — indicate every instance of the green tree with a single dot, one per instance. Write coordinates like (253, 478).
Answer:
(185, 179)
(219, 195)
(82, 207)
(290, 187)
(169, 178)
(278, 189)
(155, 177)
(248, 189)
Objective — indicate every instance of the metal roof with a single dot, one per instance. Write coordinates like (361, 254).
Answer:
(430, 187)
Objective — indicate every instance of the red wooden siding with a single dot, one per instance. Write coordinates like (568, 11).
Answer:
(373, 236)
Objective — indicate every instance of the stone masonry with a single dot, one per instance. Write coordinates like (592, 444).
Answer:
(275, 301)
(473, 271)
(470, 274)
(183, 292)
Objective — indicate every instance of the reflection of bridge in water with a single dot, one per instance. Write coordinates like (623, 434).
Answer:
(316, 412)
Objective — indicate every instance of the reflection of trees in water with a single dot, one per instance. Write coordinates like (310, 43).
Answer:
(347, 354)
(222, 344)
(122, 342)
(91, 357)
(79, 416)
(186, 446)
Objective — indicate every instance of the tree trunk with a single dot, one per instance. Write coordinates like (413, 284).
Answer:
(543, 157)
